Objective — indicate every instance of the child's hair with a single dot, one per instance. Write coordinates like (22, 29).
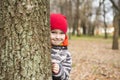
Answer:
(58, 21)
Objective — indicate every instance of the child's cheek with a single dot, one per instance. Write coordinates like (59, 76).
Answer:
(52, 36)
(63, 36)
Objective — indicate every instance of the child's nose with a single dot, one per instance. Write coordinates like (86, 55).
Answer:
(57, 36)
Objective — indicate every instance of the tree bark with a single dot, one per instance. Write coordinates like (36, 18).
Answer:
(115, 44)
(116, 20)
(24, 40)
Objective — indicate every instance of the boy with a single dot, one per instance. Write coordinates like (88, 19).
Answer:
(61, 58)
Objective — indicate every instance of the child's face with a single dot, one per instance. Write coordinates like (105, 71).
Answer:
(57, 37)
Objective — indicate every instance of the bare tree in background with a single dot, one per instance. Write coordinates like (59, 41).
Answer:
(119, 19)
(76, 18)
(116, 21)
(69, 15)
(88, 15)
(104, 16)
(24, 40)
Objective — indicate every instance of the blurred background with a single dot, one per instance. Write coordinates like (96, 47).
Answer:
(94, 33)
(90, 17)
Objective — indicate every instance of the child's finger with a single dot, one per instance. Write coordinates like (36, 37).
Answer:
(55, 68)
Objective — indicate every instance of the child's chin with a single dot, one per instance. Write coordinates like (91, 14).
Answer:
(56, 44)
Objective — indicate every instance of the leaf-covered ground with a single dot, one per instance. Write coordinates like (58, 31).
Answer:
(93, 59)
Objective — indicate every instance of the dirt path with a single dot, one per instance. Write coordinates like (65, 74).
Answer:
(94, 60)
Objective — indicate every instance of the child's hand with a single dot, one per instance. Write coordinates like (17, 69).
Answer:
(55, 68)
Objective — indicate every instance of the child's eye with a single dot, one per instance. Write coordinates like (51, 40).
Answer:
(62, 33)
(53, 32)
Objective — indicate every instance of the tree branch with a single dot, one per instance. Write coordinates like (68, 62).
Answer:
(115, 6)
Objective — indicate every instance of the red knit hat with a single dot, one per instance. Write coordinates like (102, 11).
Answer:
(58, 21)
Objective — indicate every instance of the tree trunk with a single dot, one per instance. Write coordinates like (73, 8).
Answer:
(105, 24)
(115, 44)
(69, 17)
(91, 30)
(24, 40)
(76, 18)
(84, 28)
(119, 27)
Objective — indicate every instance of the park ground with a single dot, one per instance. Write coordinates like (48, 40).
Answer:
(93, 59)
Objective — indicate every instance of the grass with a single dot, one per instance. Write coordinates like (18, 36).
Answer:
(91, 38)
(87, 36)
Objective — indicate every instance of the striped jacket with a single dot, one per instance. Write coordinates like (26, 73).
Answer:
(61, 55)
